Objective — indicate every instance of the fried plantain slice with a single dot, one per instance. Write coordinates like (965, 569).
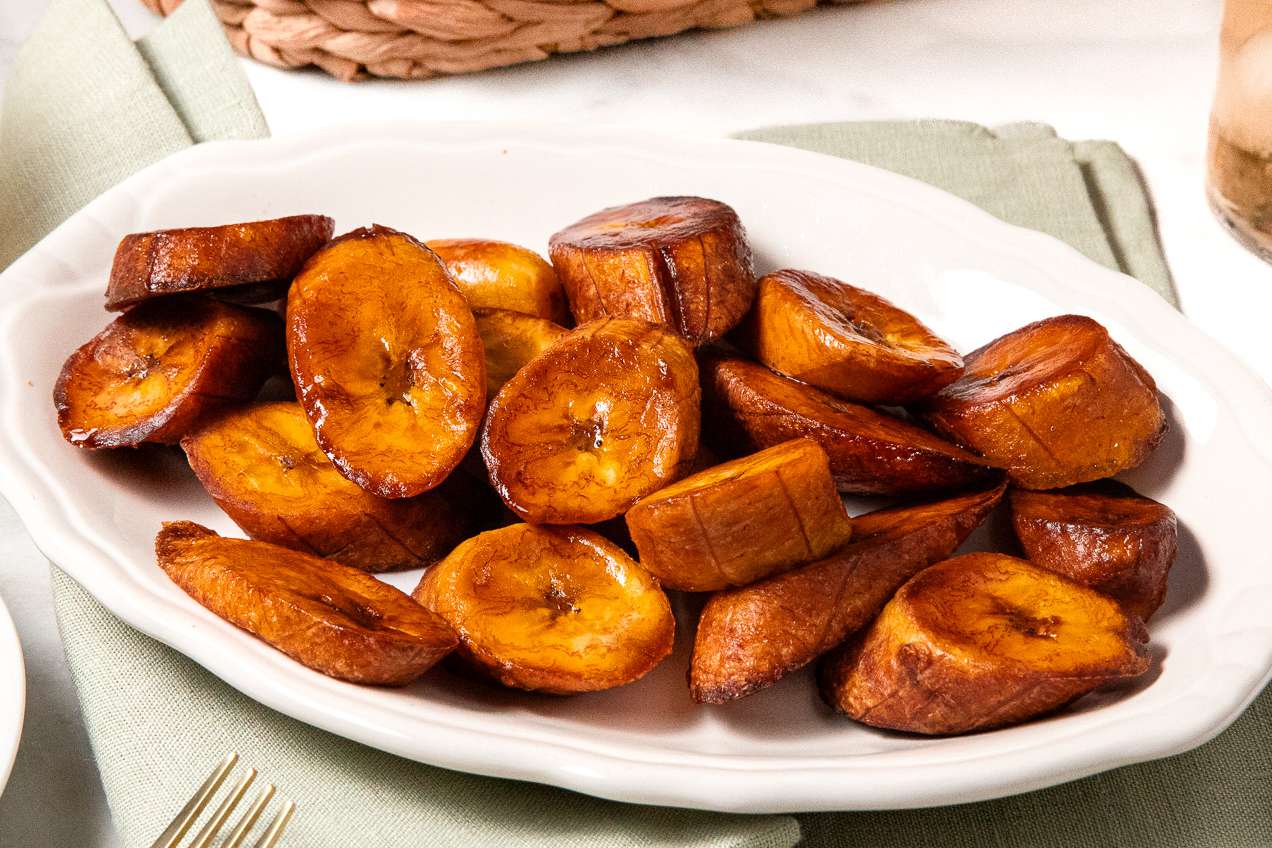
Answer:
(387, 361)
(1104, 535)
(251, 262)
(738, 522)
(848, 341)
(261, 465)
(603, 417)
(153, 373)
(511, 339)
(680, 261)
(751, 637)
(551, 609)
(980, 641)
(334, 619)
(1056, 402)
(871, 453)
(499, 275)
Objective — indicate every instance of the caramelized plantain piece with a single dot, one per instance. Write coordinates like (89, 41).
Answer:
(871, 453)
(1103, 535)
(261, 465)
(551, 609)
(499, 275)
(334, 619)
(252, 262)
(848, 341)
(154, 372)
(603, 417)
(738, 522)
(680, 261)
(1056, 402)
(387, 361)
(751, 637)
(511, 339)
(981, 641)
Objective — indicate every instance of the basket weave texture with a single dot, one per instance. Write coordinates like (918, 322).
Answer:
(417, 39)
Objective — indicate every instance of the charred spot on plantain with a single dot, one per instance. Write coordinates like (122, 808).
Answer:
(1021, 620)
(558, 599)
(287, 462)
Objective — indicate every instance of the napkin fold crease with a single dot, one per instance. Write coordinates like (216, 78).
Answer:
(84, 108)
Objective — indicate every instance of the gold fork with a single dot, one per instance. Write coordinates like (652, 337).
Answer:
(238, 835)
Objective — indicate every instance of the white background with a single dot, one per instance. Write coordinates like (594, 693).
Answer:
(1138, 71)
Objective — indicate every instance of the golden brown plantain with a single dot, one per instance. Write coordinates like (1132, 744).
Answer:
(981, 641)
(387, 361)
(251, 262)
(848, 341)
(680, 261)
(606, 415)
(1103, 535)
(334, 619)
(871, 453)
(153, 373)
(551, 609)
(511, 339)
(499, 275)
(751, 637)
(261, 465)
(1056, 402)
(738, 522)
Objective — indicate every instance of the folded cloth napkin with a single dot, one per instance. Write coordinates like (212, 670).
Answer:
(155, 742)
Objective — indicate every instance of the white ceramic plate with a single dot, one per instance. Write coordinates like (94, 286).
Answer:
(969, 276)
(12, 694)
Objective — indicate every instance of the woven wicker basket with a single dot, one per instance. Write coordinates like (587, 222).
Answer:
(416, 39)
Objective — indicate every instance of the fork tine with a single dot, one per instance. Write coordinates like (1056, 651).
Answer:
(239, 835)
(270, 837)
(195, 806)
(214, 825)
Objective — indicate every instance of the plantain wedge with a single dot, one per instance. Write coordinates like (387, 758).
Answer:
(154, 372)
(557, 610)
(871, 453)
(1055, 403)
(261, 465)
(738, 522)
(252, 262)
(750, 637)
(511, 339)
(1103, 535)
(680, 261)
(499, 275)
(603, 417)
(982, 641)
(334, 619)
(387, 361)
(848, 341)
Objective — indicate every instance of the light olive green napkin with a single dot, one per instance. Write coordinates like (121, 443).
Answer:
(154, 742)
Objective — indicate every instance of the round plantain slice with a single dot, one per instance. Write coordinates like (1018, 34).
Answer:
(551, 609)
(387, 361)
(1056, 402)
(738, 522)
(154, 372)
(1103, 535)
(499, 275)
(261, 465)
(606, 415)
(871, 453)
(251, 262)
(981, 641)
(511, 339)
(334, 619)
(848, 341)
(750, 637)
(680, 261)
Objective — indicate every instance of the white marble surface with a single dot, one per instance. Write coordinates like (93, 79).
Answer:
(1139, 72)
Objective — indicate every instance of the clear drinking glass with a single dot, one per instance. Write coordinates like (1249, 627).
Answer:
(1240, 154)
